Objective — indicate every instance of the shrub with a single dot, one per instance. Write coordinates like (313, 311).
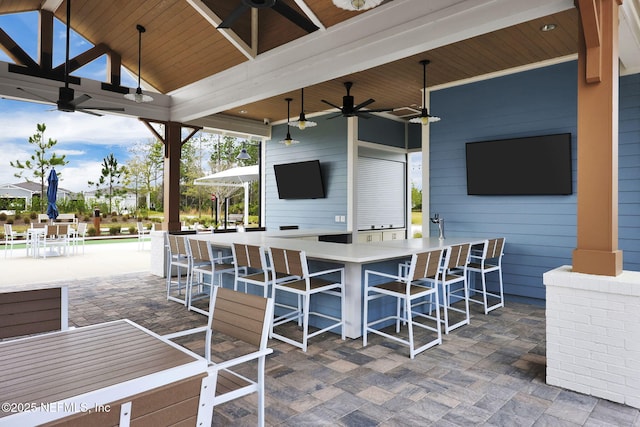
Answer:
(33, 215)
(114, 230)
(9, 220)
(132, 230)
(27, 220)
(91, 231)
(86, 218)
(114, 219)
(3, 216)
(17, 216)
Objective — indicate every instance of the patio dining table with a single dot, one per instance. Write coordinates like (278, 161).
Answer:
(109, 373)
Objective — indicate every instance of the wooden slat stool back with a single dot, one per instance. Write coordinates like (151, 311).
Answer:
(177, 259)
(285, 262)
(416, 297)
(488, 260)
(242, 317)
(203, 265)
(33, 311)
(251, 267)
(455, 272)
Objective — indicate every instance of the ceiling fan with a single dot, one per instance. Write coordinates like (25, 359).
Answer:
(348, 108)
(66, 97)
(277, 5)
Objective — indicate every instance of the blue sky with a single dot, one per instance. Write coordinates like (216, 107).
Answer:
(85, 139)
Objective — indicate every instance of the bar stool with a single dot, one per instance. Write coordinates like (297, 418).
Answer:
(202, 263)
(251, 267)
(492, 250)
(303, 286)
(454, 271)
(178, 258)
(418, 289)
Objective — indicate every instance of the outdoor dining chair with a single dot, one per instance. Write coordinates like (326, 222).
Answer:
(78, 237)
(416, 298)
(245, 319)
(54, 238)
(144, 235)
(10, 238)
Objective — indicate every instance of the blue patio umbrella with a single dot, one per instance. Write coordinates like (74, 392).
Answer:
(52, 192)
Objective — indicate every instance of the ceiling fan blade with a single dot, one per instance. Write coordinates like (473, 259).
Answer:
(79, 100)
(364, 104)
(295, 17)
(104, 108)
(36, 95)
(363, 115)
(378, 110)
(82, 110)
(233, 16)
(329, 103)
(334, 116)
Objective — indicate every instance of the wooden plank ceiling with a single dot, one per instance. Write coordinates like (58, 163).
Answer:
(181, 47)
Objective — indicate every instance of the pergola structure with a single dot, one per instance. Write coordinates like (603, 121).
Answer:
(234, 79)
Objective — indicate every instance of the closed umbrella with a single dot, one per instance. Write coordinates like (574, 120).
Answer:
(52, 192)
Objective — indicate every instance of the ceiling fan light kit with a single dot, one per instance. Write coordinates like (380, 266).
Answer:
(356, 4)
(138, 96)
(288, 140)
(302, 123)
(243, 155)
(424, 118)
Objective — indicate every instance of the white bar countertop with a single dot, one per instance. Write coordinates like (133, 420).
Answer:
(351, 255)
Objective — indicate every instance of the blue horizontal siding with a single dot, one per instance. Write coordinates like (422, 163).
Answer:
(629, 172)
(540, 231)
(326, 142)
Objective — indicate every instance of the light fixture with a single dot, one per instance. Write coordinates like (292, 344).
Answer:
(243, 154)
(356, 4)
(424, 118)
(288, 140)
(138, 96)
(548, 27)
(302, 123)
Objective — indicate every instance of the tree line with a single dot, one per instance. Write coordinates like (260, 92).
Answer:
(141, 174)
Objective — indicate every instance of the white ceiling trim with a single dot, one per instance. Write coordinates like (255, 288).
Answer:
(390, 32)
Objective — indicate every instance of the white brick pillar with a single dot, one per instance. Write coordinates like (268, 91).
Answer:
(593, 334)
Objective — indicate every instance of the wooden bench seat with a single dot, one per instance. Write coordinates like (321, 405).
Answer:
(33, 311)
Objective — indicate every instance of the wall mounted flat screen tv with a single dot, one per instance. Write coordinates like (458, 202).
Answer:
(299, 180)
(537, 165)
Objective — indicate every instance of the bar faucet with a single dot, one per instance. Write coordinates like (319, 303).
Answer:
(440, 221)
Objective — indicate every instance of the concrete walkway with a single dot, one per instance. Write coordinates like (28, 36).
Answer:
(99, 260)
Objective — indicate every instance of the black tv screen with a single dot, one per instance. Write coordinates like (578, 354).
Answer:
(537, 165)
(300, 180)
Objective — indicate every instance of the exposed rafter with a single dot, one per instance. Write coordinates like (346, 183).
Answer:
(43, 68)
(249, 51)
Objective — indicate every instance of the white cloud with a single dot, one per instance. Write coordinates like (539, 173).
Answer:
(83, 138)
